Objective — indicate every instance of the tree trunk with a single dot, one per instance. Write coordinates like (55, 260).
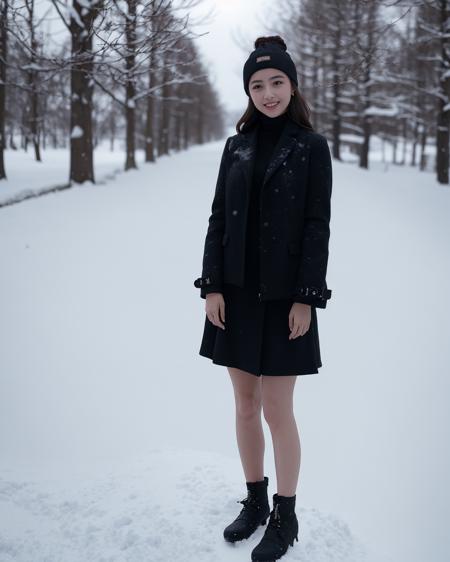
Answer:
(414, 143)
(130, 31)
(336, 95)
(33, 115)
(81, 147)
(3, 59)
(112, 127)
(163, 145)
(423, 145)
(443, 113)
(149, 125)
(366, 119)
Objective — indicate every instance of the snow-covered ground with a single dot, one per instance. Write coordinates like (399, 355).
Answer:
(26, 177)
(117, 440)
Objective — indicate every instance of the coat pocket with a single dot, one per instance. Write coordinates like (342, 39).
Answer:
(294, 248)
(225, 238)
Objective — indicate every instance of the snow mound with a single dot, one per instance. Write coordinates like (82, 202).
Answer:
(170, 505)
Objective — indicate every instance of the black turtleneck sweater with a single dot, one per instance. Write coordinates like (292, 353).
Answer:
(268, 133)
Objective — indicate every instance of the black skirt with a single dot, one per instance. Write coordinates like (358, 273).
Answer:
(256, 335)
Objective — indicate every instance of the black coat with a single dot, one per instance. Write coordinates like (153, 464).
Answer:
(295, 215)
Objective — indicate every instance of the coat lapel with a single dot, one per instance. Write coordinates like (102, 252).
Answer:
(285, 144)
(247, 151)
(246, 154)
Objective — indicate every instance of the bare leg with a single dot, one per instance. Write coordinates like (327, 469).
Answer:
(249, 431)
(277, 400)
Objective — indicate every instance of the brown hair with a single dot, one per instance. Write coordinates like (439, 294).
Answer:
(298, 109)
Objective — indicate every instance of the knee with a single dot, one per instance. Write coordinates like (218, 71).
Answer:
(275, 413)
(248, 406)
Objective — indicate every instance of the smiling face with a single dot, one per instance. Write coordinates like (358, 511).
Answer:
(270, 86)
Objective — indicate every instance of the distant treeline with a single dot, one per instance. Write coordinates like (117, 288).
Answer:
(105, 69)
(373, 67)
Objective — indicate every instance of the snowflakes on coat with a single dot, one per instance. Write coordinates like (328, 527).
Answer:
(284, 151)
(244, 153)
(288, 196)
(281, 155)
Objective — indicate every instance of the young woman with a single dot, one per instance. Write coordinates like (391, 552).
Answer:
(264, 268)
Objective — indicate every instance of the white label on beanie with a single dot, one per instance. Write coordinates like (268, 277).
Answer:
(265, 57)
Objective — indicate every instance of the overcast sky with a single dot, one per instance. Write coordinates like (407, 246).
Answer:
(233, 19)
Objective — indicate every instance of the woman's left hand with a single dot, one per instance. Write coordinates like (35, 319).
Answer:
(299, 319)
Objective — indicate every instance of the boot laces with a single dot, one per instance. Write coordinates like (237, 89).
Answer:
(250, 502)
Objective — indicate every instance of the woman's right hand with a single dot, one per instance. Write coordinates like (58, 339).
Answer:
(215, 309)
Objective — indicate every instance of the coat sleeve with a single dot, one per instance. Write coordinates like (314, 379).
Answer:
(311, 287)
(212, 269)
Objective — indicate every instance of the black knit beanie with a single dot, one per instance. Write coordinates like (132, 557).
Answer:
(269, 55)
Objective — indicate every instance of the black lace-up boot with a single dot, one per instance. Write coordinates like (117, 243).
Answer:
(281, 531)
(255, 512)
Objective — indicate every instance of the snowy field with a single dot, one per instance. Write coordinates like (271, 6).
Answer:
(117, 440)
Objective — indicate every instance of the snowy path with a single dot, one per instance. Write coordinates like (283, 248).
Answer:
(103, 395)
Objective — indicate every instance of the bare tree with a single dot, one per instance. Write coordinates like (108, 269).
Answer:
(81, 21)
(145, 56)
(438, 29)
(33, 119)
